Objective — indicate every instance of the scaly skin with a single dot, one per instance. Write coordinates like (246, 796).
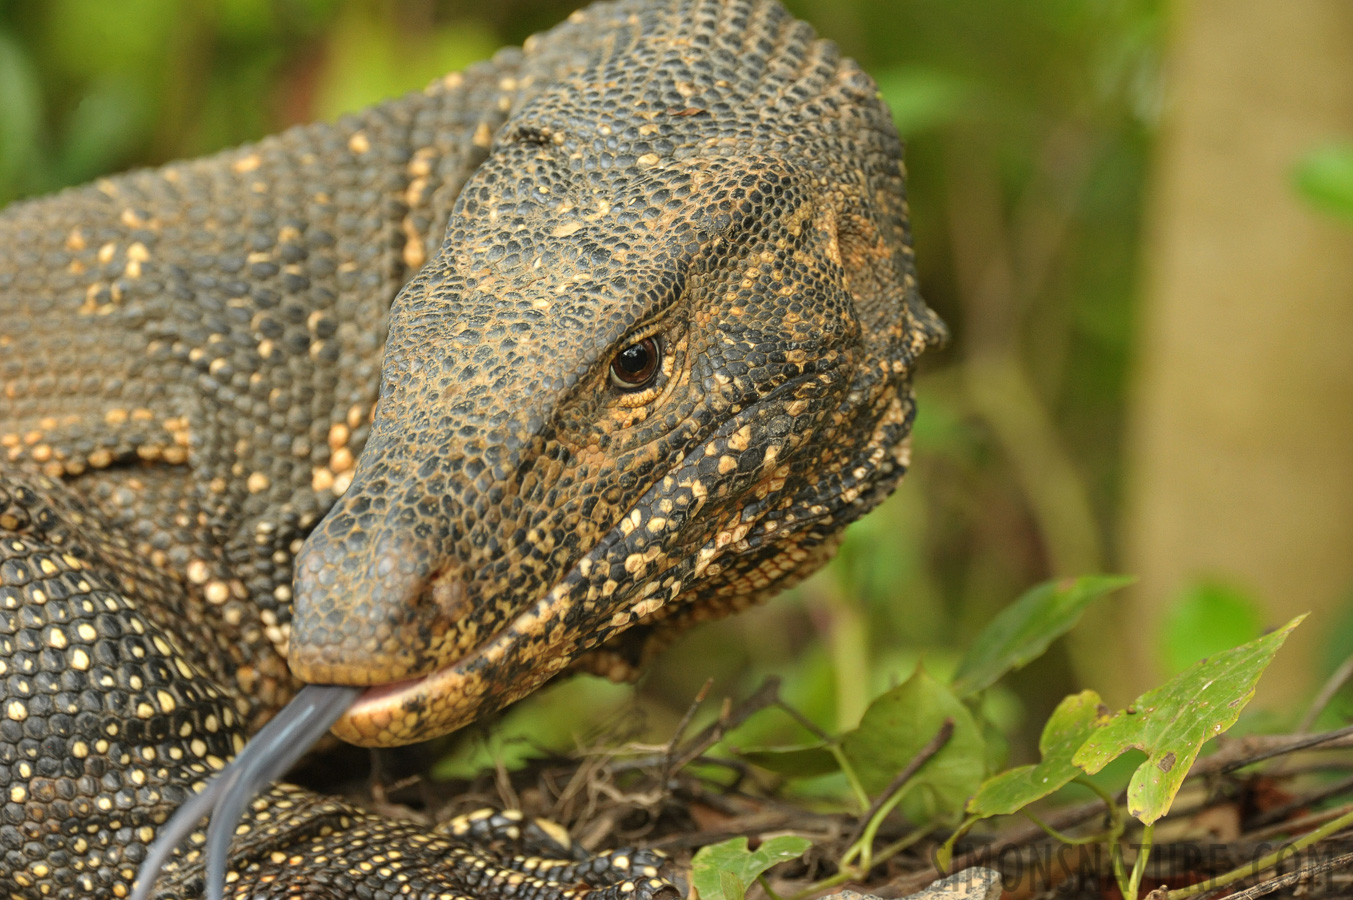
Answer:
(349, 406)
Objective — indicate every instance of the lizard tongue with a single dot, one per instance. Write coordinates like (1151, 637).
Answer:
(264, 759)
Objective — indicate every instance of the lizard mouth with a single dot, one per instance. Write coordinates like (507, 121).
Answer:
(374, 695)
(521, 657)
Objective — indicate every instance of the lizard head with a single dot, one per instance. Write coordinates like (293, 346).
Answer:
(661, 360)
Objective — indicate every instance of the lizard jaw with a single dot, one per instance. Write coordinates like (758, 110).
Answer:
(513, 663)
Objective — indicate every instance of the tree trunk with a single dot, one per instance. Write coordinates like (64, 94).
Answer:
(1241, 453)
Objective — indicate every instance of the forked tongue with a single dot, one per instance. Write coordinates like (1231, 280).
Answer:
(273, 751)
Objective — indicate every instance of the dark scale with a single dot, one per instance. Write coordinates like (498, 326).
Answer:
(516, 375)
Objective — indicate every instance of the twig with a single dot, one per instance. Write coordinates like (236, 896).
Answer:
(1327, 692)
(1319, 767)
(669, 758)
(1293, 826)
(583, 775)
(1266, 862)
(503, 782)
(1282, 881)
(766, 695)
(1262, 747)
(808, 724)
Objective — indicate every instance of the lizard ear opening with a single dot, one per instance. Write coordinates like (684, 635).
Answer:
(880, 275)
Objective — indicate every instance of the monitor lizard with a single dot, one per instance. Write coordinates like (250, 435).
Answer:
(525, 373)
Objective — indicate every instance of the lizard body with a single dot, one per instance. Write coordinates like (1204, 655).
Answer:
(606, 336)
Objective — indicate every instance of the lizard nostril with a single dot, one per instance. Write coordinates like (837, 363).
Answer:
(442, 614)
(450, 596)
(372, 606)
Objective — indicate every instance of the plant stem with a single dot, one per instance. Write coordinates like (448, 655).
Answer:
(944, 856)
(1266, 862)
(1115, 832)
(1059, 836)
(866, 841)
(848, 644)
(1109, 800)
(1111, 804)
(861, 796)
(1119, 873)
(899, 845)
(765, 886)
(1139, 866)
(863, 848)
(841, 877)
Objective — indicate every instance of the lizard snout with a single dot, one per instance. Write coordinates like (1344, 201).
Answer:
(371, 609)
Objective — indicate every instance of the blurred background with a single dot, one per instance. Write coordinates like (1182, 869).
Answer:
(1135, 215)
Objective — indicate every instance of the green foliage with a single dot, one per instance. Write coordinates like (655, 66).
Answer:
(1023, 630)
(921, 748)
(1068, 728)
(724, 871)
(1172, 722)
(897, 726)
(893, 730)
(1324, 177)
(899, 723)
(98, 132)
(1207, 617)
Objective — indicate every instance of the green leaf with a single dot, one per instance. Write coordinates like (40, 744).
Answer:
(1325, 178)
(897, 726)
(1209, 617)
(1172, 722)
(804, 761)
(1071, 724)
(723, 871)
(1024, 629)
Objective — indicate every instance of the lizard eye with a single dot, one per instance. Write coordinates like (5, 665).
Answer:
(635, 366)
